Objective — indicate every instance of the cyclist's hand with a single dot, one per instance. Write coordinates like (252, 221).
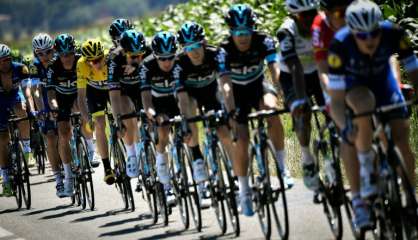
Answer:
(151, 114)
(270, 100)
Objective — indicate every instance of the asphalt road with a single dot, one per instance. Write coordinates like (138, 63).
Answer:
(56, 219)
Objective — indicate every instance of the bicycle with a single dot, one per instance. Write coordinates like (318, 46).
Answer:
(82, 170)
(267, 183)
(221, 181)
(181, 171)
(394, 209)
(331, 194)
(38, 146)
(19, 172)
(152, 190)
(118, 156)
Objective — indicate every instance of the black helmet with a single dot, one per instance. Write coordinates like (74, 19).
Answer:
(118, 26)
(330, 4)
(64, 43)
(164, 43)
(133, 41)
(190, 32)
(240, 16)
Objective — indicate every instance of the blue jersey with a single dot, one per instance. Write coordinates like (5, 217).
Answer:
(348, 67)
(20, 76)
(38, 73)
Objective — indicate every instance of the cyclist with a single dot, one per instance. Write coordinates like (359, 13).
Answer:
(93, 96)
(246, 50)
(17, 56)
(12, 77)
(361, 79)
(160, 97)
(201, 64)
(124, 90)
(43, 50)
(299, 79)
(116, 29)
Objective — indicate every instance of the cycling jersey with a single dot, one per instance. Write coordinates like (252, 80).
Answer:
(247, 67)
(12, 95)
(61, 80)
(87, 75)
(322, 35)
(348, 67)
(38, 73)
(294, 45)
(161, 84)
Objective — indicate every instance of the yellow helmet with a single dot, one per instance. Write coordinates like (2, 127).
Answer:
(92, 49)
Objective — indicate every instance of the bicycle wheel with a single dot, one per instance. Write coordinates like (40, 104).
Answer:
(86, 174)
(148, 178)
(216, 187)
(278, 202)
(350, 213)
(192, 192)
(180, 187)
(119, 160)
(24, 178)
(16, 174)
(329, 193)
(43, 156)
(229, 188)
(162, 202)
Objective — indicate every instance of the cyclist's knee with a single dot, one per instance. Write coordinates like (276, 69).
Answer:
(64, 132)
(400, 132)
(360, 100)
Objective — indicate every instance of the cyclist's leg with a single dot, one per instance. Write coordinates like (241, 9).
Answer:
(24, 126)
(130, 137)
(4, 148)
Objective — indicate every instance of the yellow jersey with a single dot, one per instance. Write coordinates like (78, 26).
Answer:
(88, 75)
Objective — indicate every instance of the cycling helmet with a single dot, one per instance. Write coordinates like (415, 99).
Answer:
(240, 16)
(297, 6)
(164, 43)
(64, 43)
(92, 49)
(42, 41)
(4, 51)
(330, 4)
(190, 32)
(363, 16)
(118, 26)
(133, 41)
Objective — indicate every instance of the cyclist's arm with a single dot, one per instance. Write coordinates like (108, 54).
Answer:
(81, 92)
(145, 86)
(180, 91)
(147, 102)
(225, 81)
(408, 59)
(50, 87)
(26, 87)
(114, 88)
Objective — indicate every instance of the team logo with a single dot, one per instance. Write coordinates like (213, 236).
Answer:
(334, 60)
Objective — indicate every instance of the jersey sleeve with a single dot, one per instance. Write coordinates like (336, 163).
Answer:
(318, 40)
(178, 75)
(24, 76)
(114, 73)
(269, 50)
(81, 75)
(405, 51)
(222, 66)
(335, 61)
(145, 82)
(287, 44)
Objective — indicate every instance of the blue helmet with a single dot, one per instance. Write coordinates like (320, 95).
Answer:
(133, 41)
(190, 32)
(118, 26)
(164, 43)
(240, 16)
(64, 43)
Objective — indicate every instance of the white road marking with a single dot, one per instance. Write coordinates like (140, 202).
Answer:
(5, 233)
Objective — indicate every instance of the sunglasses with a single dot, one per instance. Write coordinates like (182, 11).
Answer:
(165, 58)
(193, 46)
(5, 59)
(95, 61)
(135, 55)
(66, 54)
(44, 53)
(241, 32)
(368, 35)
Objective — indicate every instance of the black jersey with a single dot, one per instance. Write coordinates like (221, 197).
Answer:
(116, 69)
(161, 84)
(200, 76)
(61, 80)
(247, 67)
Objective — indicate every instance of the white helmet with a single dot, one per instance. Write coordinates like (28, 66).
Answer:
(4, 51)
(296, 6)
(363, 16)
(42, 41)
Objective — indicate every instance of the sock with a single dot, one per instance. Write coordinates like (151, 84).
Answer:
(160, 158)
(58, 176)
(197, 154)
(106, 164)
(244, 185)
(307, 157)
(366, 159)
(281, 158)
(130, 150)
(90, 145)
(5, 173)
(67, 170)
(26, 146)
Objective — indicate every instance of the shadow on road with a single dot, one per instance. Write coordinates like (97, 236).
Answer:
(217, 236)
(93, 217)
(47, 210)
(171, 233)
(63, 214)
(10, 211)
(42, 182)
(135, 219)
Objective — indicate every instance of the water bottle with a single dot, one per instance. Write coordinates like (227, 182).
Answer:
(330, 171)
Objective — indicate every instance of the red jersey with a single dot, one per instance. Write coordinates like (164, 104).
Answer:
(322, 35)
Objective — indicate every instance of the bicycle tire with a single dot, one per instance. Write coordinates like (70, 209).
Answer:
(162, 202)
(148, 157)
(17, 178)
(24, 181)
(86, 174)
(118, 159)
(192, 196)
